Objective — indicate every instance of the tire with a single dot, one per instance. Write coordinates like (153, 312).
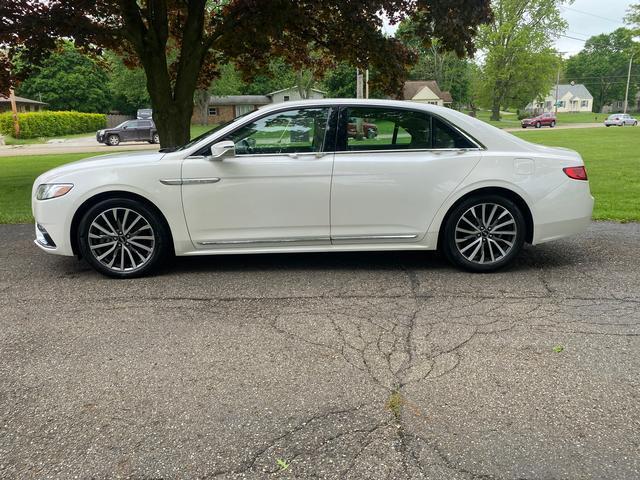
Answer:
(524, 126)
(494, 251)
(155, 138)
(371, 134)
(538, 124)
(113, 140)
(553, 124)
(635, 124)
(123, 255)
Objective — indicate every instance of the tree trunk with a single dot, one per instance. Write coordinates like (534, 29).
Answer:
(495, 108)
(173, 120)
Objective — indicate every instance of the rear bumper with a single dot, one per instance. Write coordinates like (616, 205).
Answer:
(564, 212)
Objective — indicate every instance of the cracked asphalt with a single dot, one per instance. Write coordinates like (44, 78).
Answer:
(340, 366)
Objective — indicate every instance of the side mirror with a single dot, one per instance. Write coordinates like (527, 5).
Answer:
(222, 150)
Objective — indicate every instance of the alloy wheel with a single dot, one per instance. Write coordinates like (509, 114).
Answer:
(121, 239)
(485, 233)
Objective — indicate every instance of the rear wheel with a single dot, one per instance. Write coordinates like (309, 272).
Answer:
(484, 233)
(123, 238)
(155, 138)
(553, 124)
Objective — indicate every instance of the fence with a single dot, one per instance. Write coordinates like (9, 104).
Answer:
(113, 120)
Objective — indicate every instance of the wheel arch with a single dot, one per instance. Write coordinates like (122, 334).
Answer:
(502, 191)
(112, 194)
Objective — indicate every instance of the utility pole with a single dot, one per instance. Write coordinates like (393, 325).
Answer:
(14, 110)
(557, 88)
(359, 84)
(366, 83)
(626, 95)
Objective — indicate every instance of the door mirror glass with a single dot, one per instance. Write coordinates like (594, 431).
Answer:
(223, 149)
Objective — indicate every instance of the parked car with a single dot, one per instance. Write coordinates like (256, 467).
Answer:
(129, 131)
(442, 180)
(544, 120)
(369, 130)
(620, 120)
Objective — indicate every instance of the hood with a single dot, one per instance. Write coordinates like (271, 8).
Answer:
(112, 160)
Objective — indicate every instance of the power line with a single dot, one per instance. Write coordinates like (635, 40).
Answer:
(592, 15)
(583, 40)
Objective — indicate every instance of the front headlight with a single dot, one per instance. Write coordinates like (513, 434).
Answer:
(52, 190)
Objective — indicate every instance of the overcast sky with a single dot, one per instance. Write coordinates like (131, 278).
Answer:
(590, 17)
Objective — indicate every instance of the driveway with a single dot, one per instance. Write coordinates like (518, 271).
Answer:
(74, 145)
(385, 365)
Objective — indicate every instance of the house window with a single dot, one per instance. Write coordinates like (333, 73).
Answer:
(286, 98)
(213, 111)
(561, 103)
(584, 103)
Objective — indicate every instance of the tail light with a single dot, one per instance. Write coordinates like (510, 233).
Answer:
(577, 173)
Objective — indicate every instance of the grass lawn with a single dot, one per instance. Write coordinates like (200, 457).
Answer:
(510, 119)
(612, 157)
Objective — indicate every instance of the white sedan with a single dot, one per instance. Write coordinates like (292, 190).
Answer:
(306, 177)
(620, 120)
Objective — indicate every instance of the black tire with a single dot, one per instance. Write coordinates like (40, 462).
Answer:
(90, 250)
(155, 138)
(553, 124)
(635, 124)
(524, 126)
(113, 140)
(538, 124)
(452, 248)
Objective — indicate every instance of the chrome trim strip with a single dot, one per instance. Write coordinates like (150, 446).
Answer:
(410, 150)
(375, 237)
(40, 244)
(171, 181)
(189, 181)
(262, 241)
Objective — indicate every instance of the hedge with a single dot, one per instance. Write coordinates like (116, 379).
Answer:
(52, 124)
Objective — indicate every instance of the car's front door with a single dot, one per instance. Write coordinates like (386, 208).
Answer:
(274, 192)
(129, 131)
(388, 188)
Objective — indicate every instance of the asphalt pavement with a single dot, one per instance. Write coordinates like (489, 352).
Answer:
(330, 366)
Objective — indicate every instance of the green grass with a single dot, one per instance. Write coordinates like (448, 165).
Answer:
(510, 119)
(17, 175)
(612, 157)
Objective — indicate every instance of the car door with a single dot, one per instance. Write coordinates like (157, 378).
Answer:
(129, 132)
(388, 188)
(275, 191)
(143, 130)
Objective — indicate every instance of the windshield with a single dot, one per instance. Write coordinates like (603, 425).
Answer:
(195, 140)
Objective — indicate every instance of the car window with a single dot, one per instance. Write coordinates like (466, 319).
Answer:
(144, 124)
(292, 131)
(130, 124)
(375, 128)
(444, 136)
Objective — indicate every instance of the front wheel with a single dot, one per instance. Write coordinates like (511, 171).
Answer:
(113, 140)
(484, 233)
(538, 124)
(123, 238)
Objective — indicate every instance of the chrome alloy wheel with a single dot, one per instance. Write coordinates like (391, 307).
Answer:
(485, 233)
(121, 239)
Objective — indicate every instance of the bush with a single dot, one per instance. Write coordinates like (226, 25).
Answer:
(52, 124)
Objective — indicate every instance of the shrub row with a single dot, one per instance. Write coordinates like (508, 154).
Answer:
(51, 124)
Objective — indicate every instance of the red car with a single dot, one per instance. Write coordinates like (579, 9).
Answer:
(546, 119)
(369, 129)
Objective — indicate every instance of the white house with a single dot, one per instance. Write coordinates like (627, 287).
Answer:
(426, 91)
(292, 93)
(571, 98)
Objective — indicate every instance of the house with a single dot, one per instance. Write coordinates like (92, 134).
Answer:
(22, 104)
(426, 91)
(571, 98)
(223, 109)
(617, 106)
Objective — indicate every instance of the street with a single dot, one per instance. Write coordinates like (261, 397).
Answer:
(332, 366)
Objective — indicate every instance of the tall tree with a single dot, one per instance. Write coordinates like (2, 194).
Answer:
(179, 43)
(603, 66)
(518, 59)
(128, 85)
(69, 80)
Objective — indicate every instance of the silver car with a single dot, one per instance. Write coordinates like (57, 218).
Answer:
(620, 120)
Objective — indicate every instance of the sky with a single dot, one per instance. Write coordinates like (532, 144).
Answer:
(586, 18)
(590, 17)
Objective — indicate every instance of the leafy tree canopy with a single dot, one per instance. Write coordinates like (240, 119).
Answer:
(181, 44)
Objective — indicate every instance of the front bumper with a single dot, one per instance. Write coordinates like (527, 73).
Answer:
(53, 224)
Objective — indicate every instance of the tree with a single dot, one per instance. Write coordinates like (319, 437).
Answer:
(452, 73)
(69, 80)
(603, 66)
(181, 44)
(519, 64)
(340, 82)
(128, 85)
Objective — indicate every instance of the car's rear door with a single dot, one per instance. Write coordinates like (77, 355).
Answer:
(274, 192)
(143, 130)
(389, 188)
